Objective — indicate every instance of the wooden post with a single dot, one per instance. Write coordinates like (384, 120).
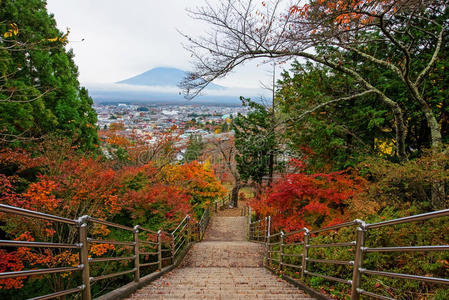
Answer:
(84, 257)
(136, 254)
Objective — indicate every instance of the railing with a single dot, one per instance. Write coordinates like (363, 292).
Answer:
(279, 255)
(245, 211)
(258, 230)
(160, 248)
(204, 221)
(222, 203)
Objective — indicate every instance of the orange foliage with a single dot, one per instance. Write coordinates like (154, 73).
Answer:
(345, 15)
(308, 200)
(195, 180)
(72, 185)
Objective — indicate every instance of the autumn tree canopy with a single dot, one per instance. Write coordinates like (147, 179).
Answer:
(403, 37)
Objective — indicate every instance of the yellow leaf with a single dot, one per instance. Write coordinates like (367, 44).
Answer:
(14, 28)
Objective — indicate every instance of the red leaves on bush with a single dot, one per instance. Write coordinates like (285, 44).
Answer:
(308, 200)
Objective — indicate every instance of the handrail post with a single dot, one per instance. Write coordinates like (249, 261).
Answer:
(159, 249)
(281, 251)
(257, 229)
(268, 239)
(358, 260)
(265, 229)
(172, 243)
(136, 254)
(269, 226)
(249, 223)
(189, 230)
(84, 257)
(305, 253)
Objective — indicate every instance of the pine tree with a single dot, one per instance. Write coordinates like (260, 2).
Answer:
(194, 149)
(255, 142)
(39, 89)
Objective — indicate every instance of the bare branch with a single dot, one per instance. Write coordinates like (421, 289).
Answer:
(321, 105)
(432, 60)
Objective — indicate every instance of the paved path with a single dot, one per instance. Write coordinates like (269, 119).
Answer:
(223, 266)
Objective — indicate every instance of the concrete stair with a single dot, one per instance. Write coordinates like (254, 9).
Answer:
(223, 266)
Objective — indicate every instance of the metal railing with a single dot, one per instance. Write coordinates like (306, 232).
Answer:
(279, 256)
(222, 203)
(204, 222)
(160, 248)
(245, 211)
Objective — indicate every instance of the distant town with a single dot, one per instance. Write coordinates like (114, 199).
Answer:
(144, 121)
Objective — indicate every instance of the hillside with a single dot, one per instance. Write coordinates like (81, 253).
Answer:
(162, 76)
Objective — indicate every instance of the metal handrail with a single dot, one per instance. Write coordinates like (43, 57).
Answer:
(255, 230)
(94, 241)
(177, 240)
(61, 293)
(8, 243)
(34, 214)
(295, 232)
(338, 226)
(98, 221)
(15, 274)
(144, 229)
(103, 259)
(183, 220)
(415, 218)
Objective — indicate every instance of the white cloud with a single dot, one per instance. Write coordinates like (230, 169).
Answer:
(125, 38)
(236, 92)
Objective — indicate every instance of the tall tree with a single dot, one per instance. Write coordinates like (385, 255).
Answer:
(339, 134)
(194, 149)
(256, 144)
(412, 32)
(39, 89)
(223, 155)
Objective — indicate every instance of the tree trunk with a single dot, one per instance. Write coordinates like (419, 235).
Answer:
(399, 127)
(438, 196)
(235, 194)
(270, 169)
(400, 134)
(438, 193)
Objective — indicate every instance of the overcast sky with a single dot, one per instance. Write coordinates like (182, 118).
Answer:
(125, 38)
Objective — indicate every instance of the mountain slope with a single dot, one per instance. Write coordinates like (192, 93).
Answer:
(162, 77)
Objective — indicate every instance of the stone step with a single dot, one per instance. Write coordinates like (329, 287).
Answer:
(226, 229)
(225, 254)
(220, 295)
(225, 267)
(220, 283)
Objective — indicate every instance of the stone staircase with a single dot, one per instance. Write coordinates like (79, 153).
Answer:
(223, 266)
